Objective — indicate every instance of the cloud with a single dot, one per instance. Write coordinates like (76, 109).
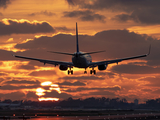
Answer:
(112, 88)
(55, 94)
(13, 87)
(119, 5)
(86, 15)
(77, 83)
(75, 2)
(63, 28)
(152, 82)
(46, 13)
(83, 78)
(13, 26)
(37, 82)
(144, 16)
(4, 3)
(135, 69)
(108, 94)
(43, 73)
(31, 95)
(13, 95)
(25, 67)
(146, 12)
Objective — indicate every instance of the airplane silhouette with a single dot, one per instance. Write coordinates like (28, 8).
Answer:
(81, 60)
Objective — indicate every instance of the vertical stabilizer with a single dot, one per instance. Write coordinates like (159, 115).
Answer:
(77, 38)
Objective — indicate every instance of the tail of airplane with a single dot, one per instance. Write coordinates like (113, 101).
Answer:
(77, 38)
(77, 45)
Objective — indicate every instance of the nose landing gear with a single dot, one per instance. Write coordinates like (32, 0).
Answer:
(70, 71)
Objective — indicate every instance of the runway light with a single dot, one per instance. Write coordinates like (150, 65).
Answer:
(57, 115)
(14, 115)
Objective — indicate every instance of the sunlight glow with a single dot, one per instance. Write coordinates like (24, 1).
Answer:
(47, 83)
(39, 91)
(10, 47)
(48, 99)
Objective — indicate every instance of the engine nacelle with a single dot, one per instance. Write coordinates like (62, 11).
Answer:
(102, 67)
(63, 67)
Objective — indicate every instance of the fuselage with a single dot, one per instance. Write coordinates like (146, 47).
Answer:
(81, 60)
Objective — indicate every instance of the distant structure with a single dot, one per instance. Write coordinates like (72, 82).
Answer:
(136, 101)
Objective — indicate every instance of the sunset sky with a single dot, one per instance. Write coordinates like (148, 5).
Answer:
(123, 28)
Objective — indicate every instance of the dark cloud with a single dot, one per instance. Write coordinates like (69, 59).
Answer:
(70, 2)
(13, 95)
(141, 11)
(114, 88)
(55, 94)
(6, 55)
(151, 81)
(43, 73)
(86, 15)
(101, 93)
(12, 87)
(4, 3)
(10, 26)
(83, 78)
(26, 67)
(77, 83)
(31, 95)
(46, 13)
(75, 2)
(140, 16)
(63, 28)
(135, 69)
(22, 82)
(118, 5)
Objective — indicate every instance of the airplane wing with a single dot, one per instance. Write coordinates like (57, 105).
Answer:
(47, 61)
(94, 64)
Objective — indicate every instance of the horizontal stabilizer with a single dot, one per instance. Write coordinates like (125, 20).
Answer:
(94, 52)
(61, 53)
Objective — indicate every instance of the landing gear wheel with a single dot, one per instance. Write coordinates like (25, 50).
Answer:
(94, 72)
(85, 72)
(68, 72)
(71, 72)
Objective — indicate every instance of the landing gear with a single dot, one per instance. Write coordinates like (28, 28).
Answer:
(70, 71)
(93, 71)
(85, 72)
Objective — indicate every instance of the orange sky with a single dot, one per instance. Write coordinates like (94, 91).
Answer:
(122, 28)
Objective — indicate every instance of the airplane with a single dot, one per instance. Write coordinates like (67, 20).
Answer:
(81, 60)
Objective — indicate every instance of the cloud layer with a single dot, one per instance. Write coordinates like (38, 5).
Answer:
(10, 26)
(140, 11)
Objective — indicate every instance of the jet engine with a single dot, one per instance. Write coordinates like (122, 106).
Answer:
(102, 67)
(63, 67)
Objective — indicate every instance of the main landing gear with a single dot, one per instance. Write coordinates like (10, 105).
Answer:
(85, 72)
(91, 71)
(70, 71)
